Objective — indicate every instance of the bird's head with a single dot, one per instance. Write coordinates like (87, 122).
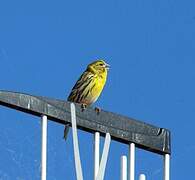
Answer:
(98, 67)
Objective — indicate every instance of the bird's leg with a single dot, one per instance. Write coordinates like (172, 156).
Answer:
(97, 110)
(83, 107)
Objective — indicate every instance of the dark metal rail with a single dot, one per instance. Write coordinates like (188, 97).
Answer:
(121, 128)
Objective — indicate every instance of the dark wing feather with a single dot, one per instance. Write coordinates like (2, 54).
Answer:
(77, 94)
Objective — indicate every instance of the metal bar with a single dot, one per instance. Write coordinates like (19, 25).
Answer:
(101, 172)
(44, 148)
(166, 167)
(121, 128)
(142, 177)
(96, 153)
(132, 161)
(78, 167)
(123, 168)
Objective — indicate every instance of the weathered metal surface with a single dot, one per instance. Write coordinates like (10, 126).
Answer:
(121, 128)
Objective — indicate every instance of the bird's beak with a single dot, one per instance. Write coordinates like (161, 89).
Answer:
(107, 66)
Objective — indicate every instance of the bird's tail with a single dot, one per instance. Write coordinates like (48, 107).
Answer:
(66, 130)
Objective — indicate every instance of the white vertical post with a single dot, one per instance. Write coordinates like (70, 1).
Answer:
(96, 153)
(132, 161)
(123, 168)
(142, 177)
(166, 167)
(78, 167)
(44, 148)
(101, 172)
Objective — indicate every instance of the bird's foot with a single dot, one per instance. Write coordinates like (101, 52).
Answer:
(83, 107)
(97, 110)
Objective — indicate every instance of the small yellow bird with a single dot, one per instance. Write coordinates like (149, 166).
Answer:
(89, 86)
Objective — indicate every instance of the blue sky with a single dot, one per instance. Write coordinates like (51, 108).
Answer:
(150, 45)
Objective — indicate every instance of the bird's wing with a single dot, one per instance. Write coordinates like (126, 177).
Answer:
(81, 88)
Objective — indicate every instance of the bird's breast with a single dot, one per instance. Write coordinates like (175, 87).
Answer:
(97, 88)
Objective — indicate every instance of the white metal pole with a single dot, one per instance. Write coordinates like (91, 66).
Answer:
(101, 172)
(166, 167)
(132, 161)
(142, 177)
(96, 153)
(44, 148)
(123, 168)
(78, 167)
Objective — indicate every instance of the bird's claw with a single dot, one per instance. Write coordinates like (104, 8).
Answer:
(83, 107)
(97, 110)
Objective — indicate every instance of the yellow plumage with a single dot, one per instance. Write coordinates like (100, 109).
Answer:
(89, 86)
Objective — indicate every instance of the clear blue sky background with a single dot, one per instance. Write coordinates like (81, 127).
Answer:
(150, 45)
